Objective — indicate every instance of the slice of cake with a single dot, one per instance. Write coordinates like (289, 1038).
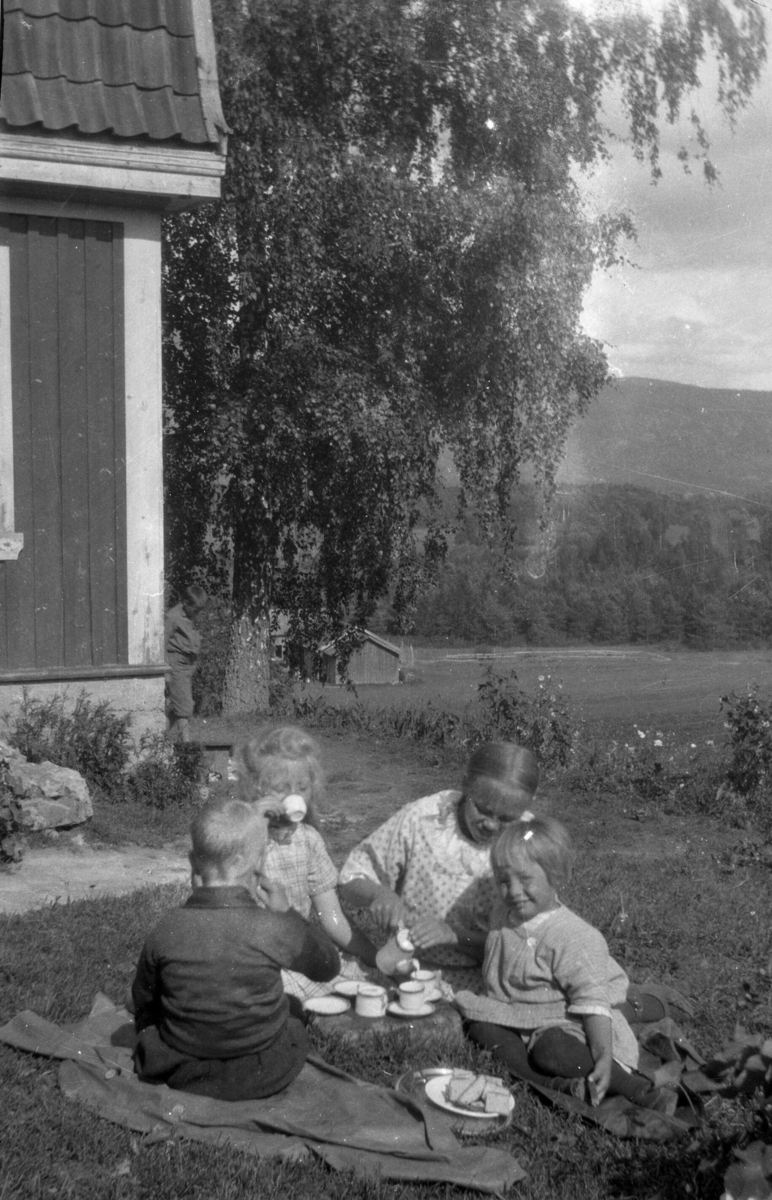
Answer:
(496, 1097)
(457, 1085)
(471, 1097)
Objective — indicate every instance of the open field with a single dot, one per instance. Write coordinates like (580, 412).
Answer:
(677, 689)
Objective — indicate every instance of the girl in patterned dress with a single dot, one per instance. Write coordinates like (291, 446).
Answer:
(428, 867)
(286, 762)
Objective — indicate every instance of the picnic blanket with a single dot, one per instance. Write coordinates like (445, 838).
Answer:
(670, 1060)
(351, 1125)
(667, 1057)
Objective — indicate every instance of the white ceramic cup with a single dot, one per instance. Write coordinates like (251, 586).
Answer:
(411, 995)
(294, 808)
(430, 979)
(371, 1000)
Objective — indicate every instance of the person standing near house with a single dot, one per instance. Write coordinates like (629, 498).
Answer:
(183, 646)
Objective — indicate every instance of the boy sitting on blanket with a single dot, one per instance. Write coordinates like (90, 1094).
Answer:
(210, 1011)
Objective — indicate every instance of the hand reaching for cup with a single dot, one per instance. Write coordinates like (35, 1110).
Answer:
(426, 932)
(388, 911)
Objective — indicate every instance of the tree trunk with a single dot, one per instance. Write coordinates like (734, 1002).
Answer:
(247, 671)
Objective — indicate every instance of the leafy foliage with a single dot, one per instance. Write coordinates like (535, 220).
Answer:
(542, 722)
(748, 720)
(12, 840)
(397, 265)
(94, 740)
(621, 565)
(166, 775)
(90, 738)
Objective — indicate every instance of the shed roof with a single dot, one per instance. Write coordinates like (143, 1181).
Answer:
(331, 648)
(124, 68)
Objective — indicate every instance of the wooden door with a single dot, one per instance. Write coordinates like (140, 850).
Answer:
(63, 601)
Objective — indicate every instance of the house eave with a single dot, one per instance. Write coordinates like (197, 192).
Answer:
(163, 177)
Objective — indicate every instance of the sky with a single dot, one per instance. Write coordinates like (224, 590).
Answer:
(697, 307)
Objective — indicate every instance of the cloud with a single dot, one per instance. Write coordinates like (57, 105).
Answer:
(698, 308)
(705, 326)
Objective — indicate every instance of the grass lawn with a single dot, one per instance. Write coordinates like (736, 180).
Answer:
(619, 684)
(679, 898)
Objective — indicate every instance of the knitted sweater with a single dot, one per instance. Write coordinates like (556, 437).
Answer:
(552, 970)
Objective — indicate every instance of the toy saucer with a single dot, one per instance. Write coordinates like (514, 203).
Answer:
(348, 987)
(326, 1006)
(396, 1010)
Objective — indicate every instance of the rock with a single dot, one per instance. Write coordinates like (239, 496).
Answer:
(50, 797)
(9, 753)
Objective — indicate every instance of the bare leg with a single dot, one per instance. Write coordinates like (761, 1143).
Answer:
(179, 729)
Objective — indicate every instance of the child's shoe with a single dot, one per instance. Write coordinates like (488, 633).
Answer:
(576, 1086)
(662, 1100)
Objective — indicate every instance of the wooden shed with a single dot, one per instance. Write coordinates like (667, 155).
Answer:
(375, 661)
(110, 117)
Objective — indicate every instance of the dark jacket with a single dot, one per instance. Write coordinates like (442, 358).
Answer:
(209, 976)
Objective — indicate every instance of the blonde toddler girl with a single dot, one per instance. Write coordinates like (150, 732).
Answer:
(555, 997)
(286, 762)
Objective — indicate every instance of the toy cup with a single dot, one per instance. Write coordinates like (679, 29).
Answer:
(371, 1000)
(411, 995)
(429, 979)
(294, 808)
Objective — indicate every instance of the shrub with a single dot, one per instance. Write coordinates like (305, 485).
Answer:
(12, 840)
(281, 691)
(748, 720)
(167, 774)
(90, 738)
(542, 722)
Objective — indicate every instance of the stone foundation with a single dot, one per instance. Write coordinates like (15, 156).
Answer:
(142, 697)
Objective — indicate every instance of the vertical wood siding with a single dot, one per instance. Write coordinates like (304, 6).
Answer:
(64, 599)
(369, 664)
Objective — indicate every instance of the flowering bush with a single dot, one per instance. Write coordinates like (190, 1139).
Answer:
(648, 765)
(541, 721)
(748, 721)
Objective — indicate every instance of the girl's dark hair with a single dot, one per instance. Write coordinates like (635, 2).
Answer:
(545, 842)
(512, 766)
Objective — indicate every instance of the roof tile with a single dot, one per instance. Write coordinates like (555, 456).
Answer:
(124, 67)
(137, 14)
(92, 108)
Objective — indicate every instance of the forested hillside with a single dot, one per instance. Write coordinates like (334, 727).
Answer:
(673, 437)
(618, 564)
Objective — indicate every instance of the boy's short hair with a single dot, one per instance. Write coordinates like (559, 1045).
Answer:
(544, 841)
(195, 596)
(221, 830)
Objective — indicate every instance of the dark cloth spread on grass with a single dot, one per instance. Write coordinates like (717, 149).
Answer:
(667, 1058)
(351, 1125)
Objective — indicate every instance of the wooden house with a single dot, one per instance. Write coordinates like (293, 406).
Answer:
(375, 661)
(110, 117)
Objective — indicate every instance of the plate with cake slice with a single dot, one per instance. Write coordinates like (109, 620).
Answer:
(469, 1095)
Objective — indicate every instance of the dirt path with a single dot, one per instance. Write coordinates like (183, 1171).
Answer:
(366, 782)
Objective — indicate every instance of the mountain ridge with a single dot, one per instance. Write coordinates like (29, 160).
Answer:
(673, 437)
